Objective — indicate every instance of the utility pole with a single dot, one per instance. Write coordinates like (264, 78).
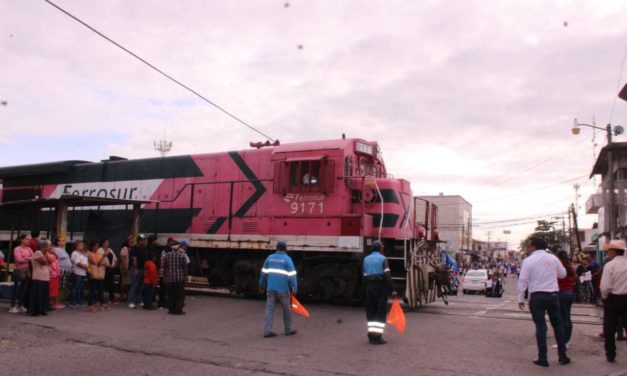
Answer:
(489, 253)
(577, 196)
(469, 232)
(564, 232)
(610, 183)
(576, 228)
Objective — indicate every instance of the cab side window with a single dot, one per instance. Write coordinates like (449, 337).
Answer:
(300, 176)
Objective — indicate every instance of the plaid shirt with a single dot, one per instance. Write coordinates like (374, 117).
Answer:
(174, 266)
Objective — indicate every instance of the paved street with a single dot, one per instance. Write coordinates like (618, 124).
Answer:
(474, 335)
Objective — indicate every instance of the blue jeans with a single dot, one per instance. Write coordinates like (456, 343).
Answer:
(567, 297)
(539, 304)
(77, 290)
(284, 300)
(149, 296)
(15, 291)
(137, 286)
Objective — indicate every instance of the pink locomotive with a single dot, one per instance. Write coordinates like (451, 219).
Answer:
(327, 199)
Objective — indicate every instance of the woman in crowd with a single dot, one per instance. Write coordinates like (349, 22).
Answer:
(65, 264)
(110, 270)
(22, 254)
(79, 273)
(97, 265)
(125, 278)
(55, 276)
(567, 294)
(40, 289)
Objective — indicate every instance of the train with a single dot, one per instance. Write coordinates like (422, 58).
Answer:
(328, 200)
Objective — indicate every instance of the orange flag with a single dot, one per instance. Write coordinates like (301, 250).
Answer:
(298, 308)
(396, 317)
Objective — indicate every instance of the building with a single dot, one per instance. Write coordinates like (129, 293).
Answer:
(454, 221)
(599, 203)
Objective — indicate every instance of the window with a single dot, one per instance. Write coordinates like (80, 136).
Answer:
(305, 175)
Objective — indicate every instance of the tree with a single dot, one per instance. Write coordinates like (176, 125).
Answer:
(546, 230)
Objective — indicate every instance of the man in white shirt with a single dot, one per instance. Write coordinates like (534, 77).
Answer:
(614, 293)
(539, 274)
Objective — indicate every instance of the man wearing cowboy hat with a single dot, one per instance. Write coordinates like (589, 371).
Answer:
(614, 293)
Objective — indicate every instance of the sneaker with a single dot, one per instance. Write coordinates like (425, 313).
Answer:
(141, 304)
(270, 334)
(14, 310)
(23, 309)
(131, 306)
(291, 332)
(59, 306)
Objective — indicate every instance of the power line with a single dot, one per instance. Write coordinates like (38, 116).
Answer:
(537, 163)
(516, 194)
(159, 70)
(506, 222)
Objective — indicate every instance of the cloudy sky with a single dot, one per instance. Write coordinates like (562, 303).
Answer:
(474, 98)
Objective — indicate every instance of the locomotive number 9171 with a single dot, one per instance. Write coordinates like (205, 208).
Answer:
(307, 207)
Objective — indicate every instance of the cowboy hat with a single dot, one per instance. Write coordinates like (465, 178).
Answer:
(615, 244)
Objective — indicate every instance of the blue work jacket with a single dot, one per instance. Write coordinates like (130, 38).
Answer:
(278, 273)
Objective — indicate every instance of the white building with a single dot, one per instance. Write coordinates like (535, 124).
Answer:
(454, 221)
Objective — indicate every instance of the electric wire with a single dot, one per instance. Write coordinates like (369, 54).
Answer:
(505, 222)
(202, 97)
(516, 194)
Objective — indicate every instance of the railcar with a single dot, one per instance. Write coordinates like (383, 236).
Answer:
(327, 199)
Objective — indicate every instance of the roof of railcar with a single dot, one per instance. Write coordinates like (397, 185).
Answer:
(62, 167)
(315, 145)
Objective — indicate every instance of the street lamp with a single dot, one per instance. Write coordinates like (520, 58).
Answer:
(608, 129)
(610, 173)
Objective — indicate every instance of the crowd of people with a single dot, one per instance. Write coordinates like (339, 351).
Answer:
(555, 282)
(45, 273)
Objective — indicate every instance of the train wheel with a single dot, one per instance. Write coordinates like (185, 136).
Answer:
(331, 280)
(246, 277)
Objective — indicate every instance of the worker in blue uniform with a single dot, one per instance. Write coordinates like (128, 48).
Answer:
(278, 280)
(378, 287)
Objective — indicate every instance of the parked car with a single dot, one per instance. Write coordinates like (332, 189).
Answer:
(475, 280)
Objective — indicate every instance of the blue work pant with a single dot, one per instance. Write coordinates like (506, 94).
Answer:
(285, 301)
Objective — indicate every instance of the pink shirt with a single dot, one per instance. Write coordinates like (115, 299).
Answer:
(54, 266)
(22, 256)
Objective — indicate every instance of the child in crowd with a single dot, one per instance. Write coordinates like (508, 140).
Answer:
(55, 279)
(151, 278)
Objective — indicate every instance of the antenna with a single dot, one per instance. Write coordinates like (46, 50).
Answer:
(163, 147)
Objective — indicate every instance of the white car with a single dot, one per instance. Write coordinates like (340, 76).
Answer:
(475, 280)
